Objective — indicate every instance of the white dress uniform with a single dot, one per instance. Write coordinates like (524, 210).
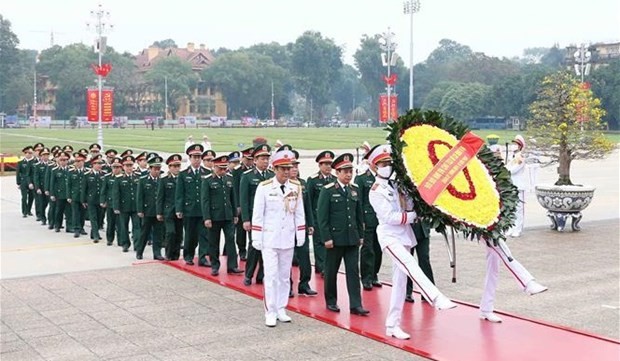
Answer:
(396, 238)
(277, 220)
(520, 179)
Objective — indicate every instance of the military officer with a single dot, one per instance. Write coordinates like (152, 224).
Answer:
(41, 200)
(146, 207)
(124, 203)
(519, 177)
(91, 196)
(51, 212)
(237, 173)
(74, 183)
(59, 192)
(315, 183)
(25, 180)
(341, 223)
(247, 189)
(370, 254)
(302, 252)
(219, 214)
(278, 225)
(37, 148)
(142, 166)
(105, 200)
(126, 153)
(207, 160)
(187, 206)
(110, 154)
(165, 203)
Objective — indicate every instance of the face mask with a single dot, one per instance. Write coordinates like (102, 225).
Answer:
(384, 172)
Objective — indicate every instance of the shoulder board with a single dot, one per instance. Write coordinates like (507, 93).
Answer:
(374, 186)
(265, 182)
(315, 175)
(329, 185)
(248, 171)
(120, 175)
(354, 185)
(210, 175)
(88, 171)
(55, 167)
(71, 167)
(295, 182)
(144, 176)
(237, 167)
(270, 170)
(107, 175)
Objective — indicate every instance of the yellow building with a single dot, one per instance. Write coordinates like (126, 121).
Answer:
(205, 101)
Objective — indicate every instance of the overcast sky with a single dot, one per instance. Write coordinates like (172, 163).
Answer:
(495, 27)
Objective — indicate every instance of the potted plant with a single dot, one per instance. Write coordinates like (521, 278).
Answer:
(565, 125)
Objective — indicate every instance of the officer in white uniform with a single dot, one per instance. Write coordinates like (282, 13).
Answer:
(520, 179)
(362, 167)
(278, 220)
(395, 214)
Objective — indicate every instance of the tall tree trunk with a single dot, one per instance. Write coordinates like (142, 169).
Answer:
(564, 166)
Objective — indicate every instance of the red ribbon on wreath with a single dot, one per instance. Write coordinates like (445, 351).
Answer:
(102, 70)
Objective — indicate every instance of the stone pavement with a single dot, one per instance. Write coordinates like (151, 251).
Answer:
(69, 299)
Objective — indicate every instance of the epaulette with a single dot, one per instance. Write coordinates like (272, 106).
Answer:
(107, 175)
(88, 171)
(295, 182)
(248, 171)
(120, 175)
(210, 175)
(144, 176)
(55, 167)
(71, 167)
(315, 175)
(374, 186)
(265, 182)
(237, 167)
(327, 186)
(354, 185)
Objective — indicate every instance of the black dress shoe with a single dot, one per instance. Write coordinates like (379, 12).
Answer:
(360, 311)
(204, 263)
(109, 243)
(138, 256)
(125, 249)
(50, 226)
(57, 230)
(367, 286)
(158, 258)
(409, 299)
(215, 272)
(76, 235)
(38, 219)
(377, 284)
(95, 240)
(308, 292)
(83, 232)
(333, 308)
(24, 216)
(189, 263)
(247, 281)
(291, 294)
(43, 223)
(30, 213)
(235, 271)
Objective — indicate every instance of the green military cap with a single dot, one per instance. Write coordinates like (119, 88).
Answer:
(96, 159)
(64, 155)
(343, 161)
(83, 152)
(79, 156)
(151, 155)
(128, 160)
(194, 149)
(117, 162)
(155, 161)
(27, 149)
(173, 159)
(247, 153)
(326, 156)
(55, 149)
(285, 147)
(44, 151)
(94, 147)
(208, 154)
(261, 150)
(141, 156)
(221, 161)
(67, 148)
(38, 146)
(296, 154)
(126, 153)
(111, 152)
(234, 156)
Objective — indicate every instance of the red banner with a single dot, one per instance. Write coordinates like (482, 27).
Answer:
(383, 107)
(107, 105)
(449, 166)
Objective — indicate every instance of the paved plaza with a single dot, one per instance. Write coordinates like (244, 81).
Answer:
(69, 299)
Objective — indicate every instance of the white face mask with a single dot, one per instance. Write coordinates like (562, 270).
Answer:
(384, 172)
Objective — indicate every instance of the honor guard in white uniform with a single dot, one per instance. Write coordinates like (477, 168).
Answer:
(278, 220)
(362, 167)
(395, 214)
(520, 179)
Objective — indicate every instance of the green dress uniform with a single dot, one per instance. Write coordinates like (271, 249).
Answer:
(41, 200)
(247, 189)
(59, 190)
(422, 231)
(340, 220)
(25, 177)
(173, 225)
(219, 206)
(124, 204)
(240, 233)
(187, 202)
(51, 209)
(370, 254)
(91, 196)
(105, 199)
(315, 183)
(303, 252)
(146, 204)
(74, 182)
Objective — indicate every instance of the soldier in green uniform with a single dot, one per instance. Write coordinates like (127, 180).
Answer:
(219, 214)
(237, 172)
(25, 178)
(341, 227)
(105, 199)
(41, 200)
(247, 189)
(51, 209)
(370, 254)
(207, 160)
(59, 192)
(74, 183)
(165, 203)
(110, 155)
(142, 166)
(91, 196)
(315, 183)
(302, 253)
(38, 148)
(146, 206)
(124, 203)
(187, 207)
(422, 231)
(93, 151)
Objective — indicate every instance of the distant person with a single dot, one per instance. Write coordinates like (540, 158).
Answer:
(188, 143)
(206, 144)
(520, 179)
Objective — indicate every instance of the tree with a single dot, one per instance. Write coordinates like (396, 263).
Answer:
(433, 99)
(565, 123)
(465, 101)
(368, 62)
(9, 56)
(181, 81)
(606, 84)
(21, 85)
(164, 44)
(349, 92)
(316, 64)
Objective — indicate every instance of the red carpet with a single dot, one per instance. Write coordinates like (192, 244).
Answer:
(452, 335)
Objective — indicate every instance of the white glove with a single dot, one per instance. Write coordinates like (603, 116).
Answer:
(258, 245)
(299, 241)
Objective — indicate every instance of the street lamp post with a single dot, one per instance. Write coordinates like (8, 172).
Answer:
(411, 7)
(582, 65)
(100, 28)
(388, 59)
(34, 101)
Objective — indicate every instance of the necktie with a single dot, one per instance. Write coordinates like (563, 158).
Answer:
(282, 188)
(344, 189)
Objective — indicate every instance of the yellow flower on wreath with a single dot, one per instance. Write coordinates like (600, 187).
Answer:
(480, 207)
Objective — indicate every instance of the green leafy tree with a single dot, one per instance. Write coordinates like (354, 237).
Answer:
(9, 56)
(465, 101)
(165, 44)
(565, 123)
(433, 99)
(605, 81)
(181, 81)
(368, 61)
(316, 64)
(21, 85)
(349, 92)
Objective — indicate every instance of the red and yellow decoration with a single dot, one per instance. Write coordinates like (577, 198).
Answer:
(453, 178)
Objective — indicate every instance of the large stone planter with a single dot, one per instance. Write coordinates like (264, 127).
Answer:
(563, 202)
